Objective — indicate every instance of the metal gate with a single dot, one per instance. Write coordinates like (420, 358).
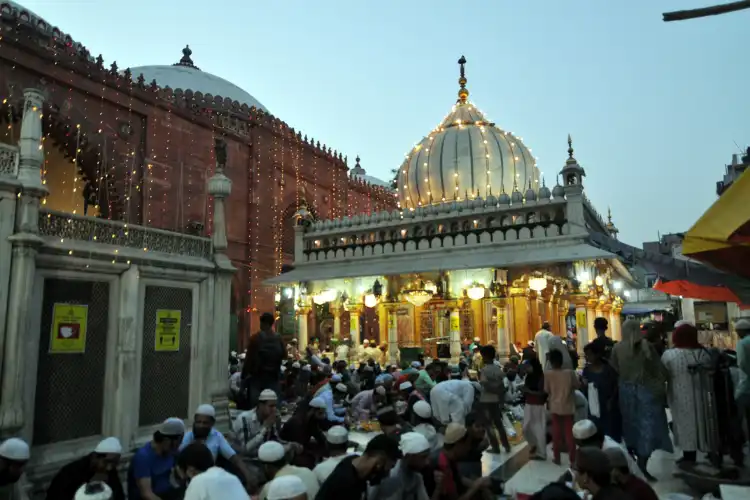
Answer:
(70, 374)
(165, 372)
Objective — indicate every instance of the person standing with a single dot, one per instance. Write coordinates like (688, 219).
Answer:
(452, 400)
(685, 363)
(265, 354)
(535, 411)
(742, 391)
(560, 384)
(541, 342)
(600, 385)
(606, 344)
(642, 389)
(492, 398)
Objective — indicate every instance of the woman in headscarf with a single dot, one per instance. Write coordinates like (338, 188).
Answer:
(685, 391)
(642, 387)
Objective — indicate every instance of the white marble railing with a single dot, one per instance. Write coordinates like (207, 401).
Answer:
(8, 160)
(102, 231)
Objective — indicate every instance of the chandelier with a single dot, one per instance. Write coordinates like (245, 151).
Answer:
(475, 292)
(417, 294)
(325, 296)
(537, 283)
(371, 300)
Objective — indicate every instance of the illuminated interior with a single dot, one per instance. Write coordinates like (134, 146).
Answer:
(59, 174)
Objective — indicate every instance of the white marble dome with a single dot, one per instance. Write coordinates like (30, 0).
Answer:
(186, 76)
(465, 154)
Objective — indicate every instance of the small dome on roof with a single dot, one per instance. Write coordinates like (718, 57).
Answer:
(359, 173)
(186, 76)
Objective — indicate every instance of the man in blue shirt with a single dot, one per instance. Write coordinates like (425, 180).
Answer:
(204, 432)
(151, 466)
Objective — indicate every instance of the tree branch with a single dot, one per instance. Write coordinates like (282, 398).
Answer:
(684, 15)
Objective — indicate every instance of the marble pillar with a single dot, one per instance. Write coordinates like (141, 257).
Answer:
(455, 335)
(591, 315)
(393, 352)
(617, 323)
(25, 243)
(336, 322)
(220, 187)
(503, 340)
(582, 329)
(302, 336)
(8, 198)
(354, 312)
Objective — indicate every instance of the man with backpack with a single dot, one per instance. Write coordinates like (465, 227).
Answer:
(265, 354)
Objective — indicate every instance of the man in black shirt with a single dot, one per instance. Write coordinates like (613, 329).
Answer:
(605, 343)
(350, 478)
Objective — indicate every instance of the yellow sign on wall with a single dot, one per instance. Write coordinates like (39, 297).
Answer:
(168, 330)
(455, 323)
(581, 318)
(501, 319)
(68, 333)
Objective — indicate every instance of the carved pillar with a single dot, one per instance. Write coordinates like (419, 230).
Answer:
(8, 200)
(563, 306)
(455, 335)
(504, 339)
(616, 322)
(25, 242)
(520, 316)
(220, 187)
(582, 330)
(354, 312)
(550, 313)
(302, 336)
(591, 306)
(393, 353)
(606, 311)
(535, 320)
(336, 311)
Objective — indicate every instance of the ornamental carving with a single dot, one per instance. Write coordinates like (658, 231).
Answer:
(8, 160)
(100, 231)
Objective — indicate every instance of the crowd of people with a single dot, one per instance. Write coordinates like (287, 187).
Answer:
(429, 423)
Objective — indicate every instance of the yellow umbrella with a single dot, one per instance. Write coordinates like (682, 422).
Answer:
(721, 237)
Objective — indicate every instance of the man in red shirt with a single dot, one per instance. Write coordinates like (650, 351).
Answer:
(448, 480)
(621, 476)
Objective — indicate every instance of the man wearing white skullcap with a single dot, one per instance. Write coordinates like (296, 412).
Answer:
(288, 488)
(585, 433)
(304, 429)
(422, 421)
(263, 423)
(365, 403)
(276, 465)
(152, 464)
(204, 432)
(14, 454)
(205, 481)
(342, 350)
(452, 400)
(92, 491)
(70, 481)
(405, 479)
(337, 443)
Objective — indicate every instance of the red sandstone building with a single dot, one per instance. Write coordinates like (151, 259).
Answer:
(137, 145)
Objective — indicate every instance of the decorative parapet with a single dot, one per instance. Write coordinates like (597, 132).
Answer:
(108, 232)
(451, 224)
(595, 214)
(8, 160)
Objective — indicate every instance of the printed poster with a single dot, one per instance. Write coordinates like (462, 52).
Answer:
(581, 318)
(501, 319)
(455, 323)
(167, 338)
(68, 333)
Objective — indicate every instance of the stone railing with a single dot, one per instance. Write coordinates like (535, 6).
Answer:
(594, 213)
(91, 229)
(445, 225)
(8, 160)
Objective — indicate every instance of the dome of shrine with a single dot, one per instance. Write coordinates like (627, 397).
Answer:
(186, 76)
(466, 155)
(359, 173)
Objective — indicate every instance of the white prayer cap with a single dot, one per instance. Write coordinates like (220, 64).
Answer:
(742, 324)
(423, 409)
(454, 433)
(341, 387)
(206, 410)
(337, 435)
(405, 385)
(295, 365)
(286, 488)
(267, 395)
(413, 443)
(109, 446)
(318, 403)
(380, 390)
(172, 427)
(15, 449)
(477, 339)
(584, 429)
(682, 322)
(368, 368)
(366, 342)
(336, 378)
(306, 368)
(94, 491)
(428, 431)
(283, 368)
(271, 451)
(416, 364)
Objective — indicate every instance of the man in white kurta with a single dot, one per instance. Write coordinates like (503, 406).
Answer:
(541, 342)
(452, 400)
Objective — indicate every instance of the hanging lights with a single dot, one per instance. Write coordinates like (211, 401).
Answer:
(537, 283)
(417, 294)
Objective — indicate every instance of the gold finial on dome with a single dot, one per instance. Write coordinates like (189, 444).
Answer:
(570, 147)
(463, 92)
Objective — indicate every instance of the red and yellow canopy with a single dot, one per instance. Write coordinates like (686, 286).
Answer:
(721, 237)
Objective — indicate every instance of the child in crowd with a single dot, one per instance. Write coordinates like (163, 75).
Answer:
(560, 385)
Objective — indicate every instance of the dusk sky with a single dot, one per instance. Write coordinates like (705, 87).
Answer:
(655, 109)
